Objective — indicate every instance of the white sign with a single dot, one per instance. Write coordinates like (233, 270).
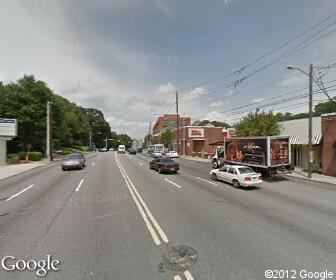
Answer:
(8, 128)
(196, 132)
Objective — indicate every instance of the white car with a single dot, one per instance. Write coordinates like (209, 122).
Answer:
(172, 154)
(237, 175)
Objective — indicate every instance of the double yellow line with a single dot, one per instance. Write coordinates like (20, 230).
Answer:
(157, 234)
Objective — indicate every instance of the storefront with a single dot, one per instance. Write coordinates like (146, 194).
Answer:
(197, 141)
(297, 130)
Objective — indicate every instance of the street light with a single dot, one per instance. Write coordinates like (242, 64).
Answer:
(310, 125)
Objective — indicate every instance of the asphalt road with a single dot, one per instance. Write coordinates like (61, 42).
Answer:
(116, 219)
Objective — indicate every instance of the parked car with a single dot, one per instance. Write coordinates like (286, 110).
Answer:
(172, 154)
(73, 161)
(237, 175)
(103, 150)
(164, 165)
(132, 152)
(156, 154)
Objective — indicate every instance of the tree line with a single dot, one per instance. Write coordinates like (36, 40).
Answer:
(26, 100)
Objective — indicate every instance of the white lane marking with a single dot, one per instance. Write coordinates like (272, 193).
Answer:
(20, 192)
(177, 277)
(79, 185)
(104, 216)
(212, 183)
(176, 185)
(148, 224)
(188, 275)
(140, 163)
(93, 163)
(144, 205)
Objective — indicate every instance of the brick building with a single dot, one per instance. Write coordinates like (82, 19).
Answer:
(168, 121)
(329, 144)
(198, 141)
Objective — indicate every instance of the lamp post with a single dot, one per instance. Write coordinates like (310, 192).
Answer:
(310, 125)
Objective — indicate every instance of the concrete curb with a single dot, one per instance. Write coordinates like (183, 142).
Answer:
(295, 178)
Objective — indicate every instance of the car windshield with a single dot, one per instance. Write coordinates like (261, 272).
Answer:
(245, 170)
(167, 160)
(73, 156)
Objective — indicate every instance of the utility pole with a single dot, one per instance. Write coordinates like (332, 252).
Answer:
(177, 125)
(310, 131)
(49, 150)
(150, 133)
(90, 140)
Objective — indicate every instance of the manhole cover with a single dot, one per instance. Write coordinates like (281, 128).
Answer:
(4, 214)
(180, 258)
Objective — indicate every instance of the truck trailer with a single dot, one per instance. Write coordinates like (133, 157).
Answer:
(269, 154)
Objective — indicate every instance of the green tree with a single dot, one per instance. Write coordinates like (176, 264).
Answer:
(166, 138)
(258, 124)
(326, 107)
(214, 123)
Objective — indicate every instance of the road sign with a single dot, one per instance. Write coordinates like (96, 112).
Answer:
(8, 128)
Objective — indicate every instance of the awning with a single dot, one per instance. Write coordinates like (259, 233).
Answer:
(303, 140)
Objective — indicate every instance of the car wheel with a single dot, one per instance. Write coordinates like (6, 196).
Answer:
(214, 176)
(215, 164)
(160, 171)
(236, 184)
(63, 168)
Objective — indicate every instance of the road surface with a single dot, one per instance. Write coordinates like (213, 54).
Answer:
(116, 219)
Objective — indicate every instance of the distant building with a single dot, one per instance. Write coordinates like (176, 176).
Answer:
(198, 141)
(169, 121)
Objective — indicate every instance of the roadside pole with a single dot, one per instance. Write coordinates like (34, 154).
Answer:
(90, 140)
(310, 131)
(49, 133)
(177, 125)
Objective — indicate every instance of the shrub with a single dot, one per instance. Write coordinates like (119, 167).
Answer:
(22, 155)
(35, 156)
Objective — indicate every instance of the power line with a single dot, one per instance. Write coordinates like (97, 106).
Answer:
(239, 71)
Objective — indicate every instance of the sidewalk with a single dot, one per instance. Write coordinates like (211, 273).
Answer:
(195, 158)
(315, 177)
(10, 170)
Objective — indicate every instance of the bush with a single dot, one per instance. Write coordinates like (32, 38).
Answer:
(34, 156)
(22, 155)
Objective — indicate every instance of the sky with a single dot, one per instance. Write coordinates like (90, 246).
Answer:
(129, 57)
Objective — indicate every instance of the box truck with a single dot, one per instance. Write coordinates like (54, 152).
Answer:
(264, 154)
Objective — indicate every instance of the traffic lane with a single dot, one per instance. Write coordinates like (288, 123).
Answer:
(321, 197)
(99, 233)
(247, 226)
(31, 214)
(20, 196)
(23, 178)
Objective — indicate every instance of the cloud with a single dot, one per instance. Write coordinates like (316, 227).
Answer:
(195, 93)
(228, 93)
(257, 100)
(216, 104)
(167, 88)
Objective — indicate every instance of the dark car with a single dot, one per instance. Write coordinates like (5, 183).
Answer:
(73, 161)
(164, 165)
(132, 152)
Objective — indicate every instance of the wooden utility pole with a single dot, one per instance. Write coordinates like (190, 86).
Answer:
(177, 125)
(310, 131)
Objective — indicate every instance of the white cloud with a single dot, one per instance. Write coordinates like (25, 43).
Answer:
(257, 100)
(195, 93)
(168, 88)
(216, 103)
(228, 93)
